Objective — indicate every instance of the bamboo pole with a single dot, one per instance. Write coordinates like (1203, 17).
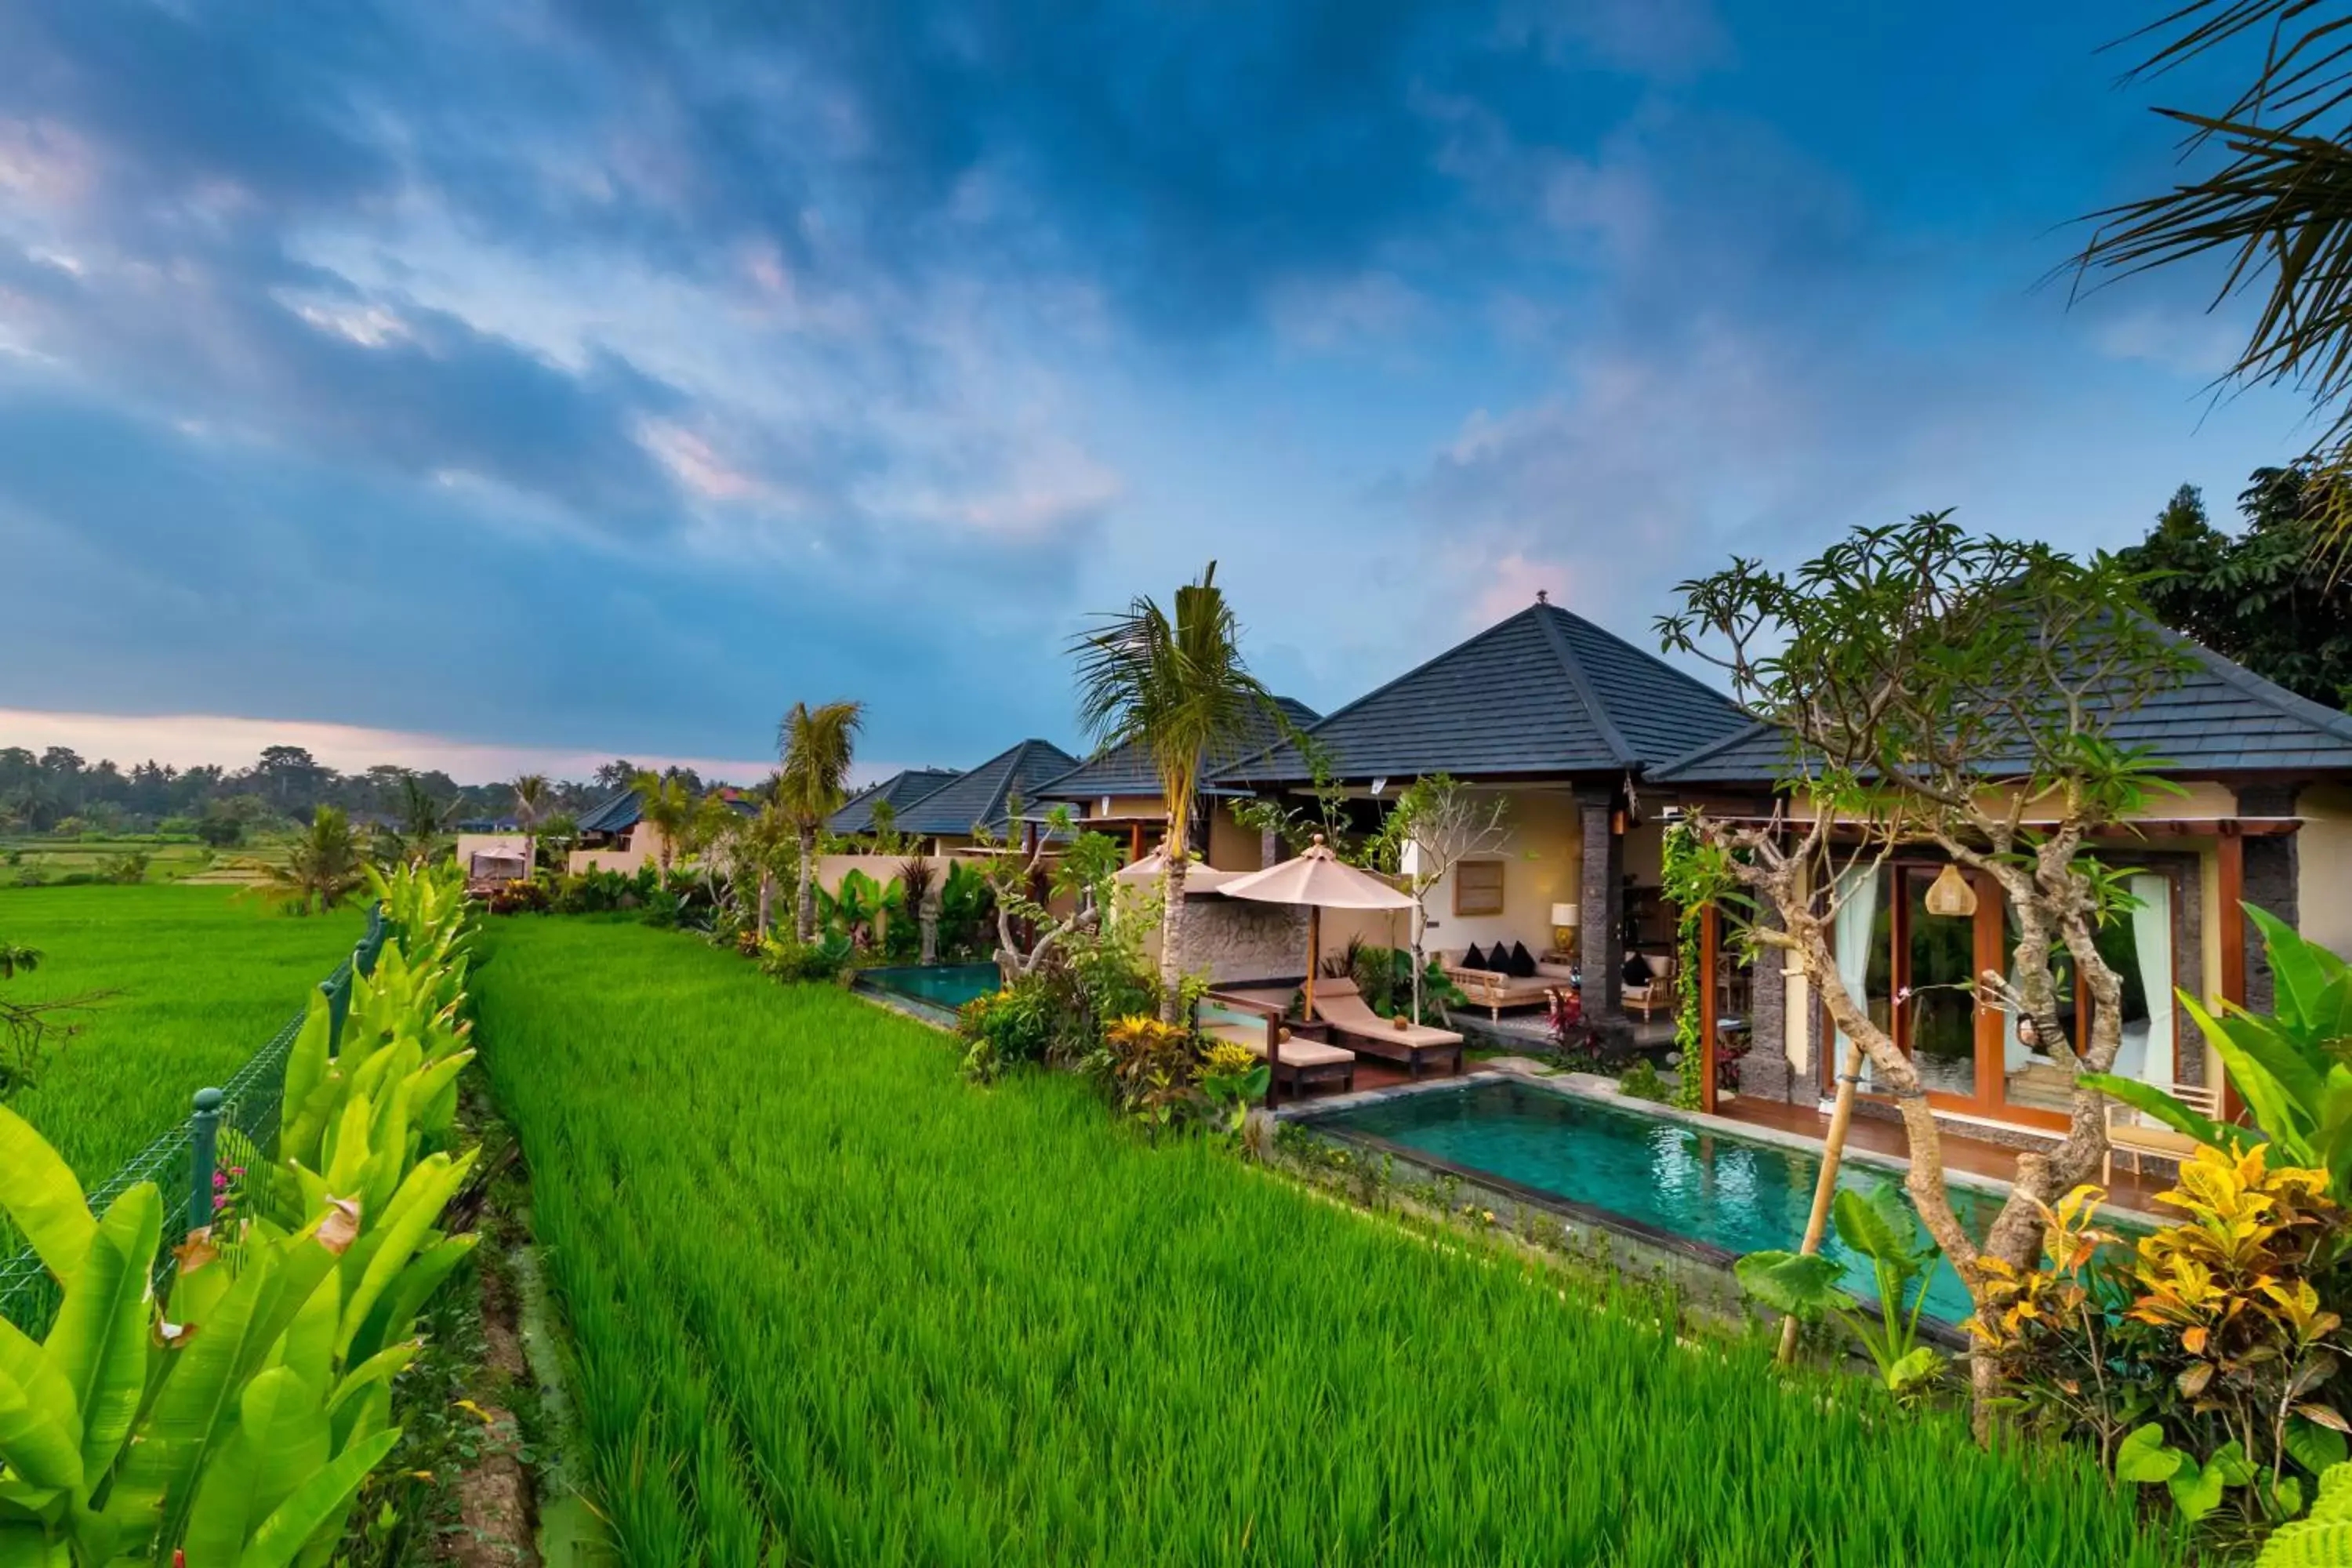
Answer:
(1817, 1223)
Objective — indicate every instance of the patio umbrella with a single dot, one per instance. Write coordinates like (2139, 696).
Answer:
(1198, 877)
(1320, 881)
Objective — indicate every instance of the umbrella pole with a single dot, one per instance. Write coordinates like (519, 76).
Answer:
(1314, 955)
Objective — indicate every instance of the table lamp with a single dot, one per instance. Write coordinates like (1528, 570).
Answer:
(1563, 927)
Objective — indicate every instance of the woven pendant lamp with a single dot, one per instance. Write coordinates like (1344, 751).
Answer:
(1950, 894)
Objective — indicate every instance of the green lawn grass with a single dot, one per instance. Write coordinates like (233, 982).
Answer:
(831, 1305)
(203, 977)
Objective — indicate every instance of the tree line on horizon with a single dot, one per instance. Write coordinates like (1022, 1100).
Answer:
(42, 791)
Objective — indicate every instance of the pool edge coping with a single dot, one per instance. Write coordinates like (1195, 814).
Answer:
(1598, 1089)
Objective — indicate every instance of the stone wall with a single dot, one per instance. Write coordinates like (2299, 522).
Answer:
(1234, 940)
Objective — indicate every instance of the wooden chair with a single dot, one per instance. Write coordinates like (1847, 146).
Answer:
(2127, 1133)
(1660, 991)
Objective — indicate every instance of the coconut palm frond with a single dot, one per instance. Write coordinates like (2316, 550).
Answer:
(817, 745)
(2277, 210)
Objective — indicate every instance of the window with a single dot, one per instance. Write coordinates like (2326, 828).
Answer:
(1479, 888)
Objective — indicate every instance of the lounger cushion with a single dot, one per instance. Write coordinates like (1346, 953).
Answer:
(1523, 962)
(1295, 1053)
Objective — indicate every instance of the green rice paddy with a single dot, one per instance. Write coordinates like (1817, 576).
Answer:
(831, 1305)
(202, 979)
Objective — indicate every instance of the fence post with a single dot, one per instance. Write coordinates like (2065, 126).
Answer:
(203, 1148)
(339, 1006)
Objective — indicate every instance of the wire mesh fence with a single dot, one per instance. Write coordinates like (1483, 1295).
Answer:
(247, 1102)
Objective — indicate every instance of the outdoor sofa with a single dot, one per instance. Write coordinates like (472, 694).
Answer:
(1495, 991)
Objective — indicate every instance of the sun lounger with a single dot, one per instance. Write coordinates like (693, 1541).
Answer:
(1337, 1004)
(1293, 1062)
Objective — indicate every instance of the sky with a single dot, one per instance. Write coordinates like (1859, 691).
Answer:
(510, 381)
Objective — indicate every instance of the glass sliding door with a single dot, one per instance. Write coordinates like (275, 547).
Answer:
(1938, 1018)
(2137, 944)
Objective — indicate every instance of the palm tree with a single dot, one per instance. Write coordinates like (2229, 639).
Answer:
(531, 795)
(322, 868)
(2278, 210)
(816, 745)
(1181, 687)
(667, 806)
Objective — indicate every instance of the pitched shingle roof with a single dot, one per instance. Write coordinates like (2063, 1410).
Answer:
(2219, 718)
(901, 789)
(617, 815)
(1128, 770)
(978, 797)
(1540, 692)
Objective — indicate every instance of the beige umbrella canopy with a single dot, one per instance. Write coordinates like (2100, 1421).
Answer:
(1198, 877)
(1320, 881)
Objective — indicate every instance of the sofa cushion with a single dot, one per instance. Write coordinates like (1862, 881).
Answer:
(1637, 970)
(1472, 958)
(1522, 961)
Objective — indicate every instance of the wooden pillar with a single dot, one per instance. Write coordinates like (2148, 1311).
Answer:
(1709, 935)
(1134, 842)
(2231, 856)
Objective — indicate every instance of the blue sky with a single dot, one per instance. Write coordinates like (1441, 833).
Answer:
(548, 380)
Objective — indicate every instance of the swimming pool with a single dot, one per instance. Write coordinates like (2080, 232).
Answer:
(946, 987)
(1646, 1174)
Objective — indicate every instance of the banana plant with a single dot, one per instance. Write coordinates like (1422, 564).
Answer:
(1878, 1225)
(230, 1428)
(2289, 1066)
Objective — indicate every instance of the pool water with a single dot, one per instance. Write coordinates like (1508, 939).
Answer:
(947, 985)
(1735, 1192)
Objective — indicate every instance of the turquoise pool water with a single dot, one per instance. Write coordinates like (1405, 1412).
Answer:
(947, 985)
(1733, 1193)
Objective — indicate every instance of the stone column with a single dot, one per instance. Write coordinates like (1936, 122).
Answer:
(1269, 847)
(2272, 881)
(1765, 1071)
(1600, 912)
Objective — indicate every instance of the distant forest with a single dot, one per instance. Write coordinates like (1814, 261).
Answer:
(56, 790)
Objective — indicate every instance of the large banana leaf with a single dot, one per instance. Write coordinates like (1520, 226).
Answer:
(422, 1198)
(40, 1194)
(39, 1439)
(317, 1506)
(197, 1402)
(279, 1442)
(98, 1342)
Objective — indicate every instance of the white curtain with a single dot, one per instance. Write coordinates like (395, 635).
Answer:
(1857, 888)
(2147, 1051)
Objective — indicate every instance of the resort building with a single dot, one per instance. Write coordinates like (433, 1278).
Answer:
(1594, 745)
(1118, 793)
(615, 836)
(893, 794)
(980, 800)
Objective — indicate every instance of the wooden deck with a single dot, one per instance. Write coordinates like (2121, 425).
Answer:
(1978, 1157)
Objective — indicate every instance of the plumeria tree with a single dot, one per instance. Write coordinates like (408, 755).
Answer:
(1947, 690)
(1177, 684)
(1438, 823)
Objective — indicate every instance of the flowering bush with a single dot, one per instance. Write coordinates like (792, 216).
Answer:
(2200, 1363)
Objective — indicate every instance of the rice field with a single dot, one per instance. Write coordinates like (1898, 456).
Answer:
(202, 977)
(830, 1305)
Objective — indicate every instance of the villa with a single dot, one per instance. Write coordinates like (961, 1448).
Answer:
(1119, 792)
(1595, 746)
